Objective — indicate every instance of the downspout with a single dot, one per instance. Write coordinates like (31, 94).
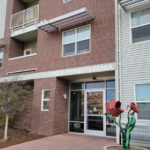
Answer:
(118, 59)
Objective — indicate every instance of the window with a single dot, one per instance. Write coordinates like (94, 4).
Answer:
(27, 52)
(66, 1)
(30, 13)
(1, 57)
(140, 25)
(45, 100)
(76, 41)
(143, 100)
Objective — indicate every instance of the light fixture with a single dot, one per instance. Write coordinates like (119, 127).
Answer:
(94, 78)
(65, 96)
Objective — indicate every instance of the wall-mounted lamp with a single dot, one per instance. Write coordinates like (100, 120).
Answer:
(94, 78)
(65, 96)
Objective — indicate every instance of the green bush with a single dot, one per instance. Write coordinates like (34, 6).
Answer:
(2, 120)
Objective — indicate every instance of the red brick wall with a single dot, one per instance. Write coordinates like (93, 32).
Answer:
(18, 5)
(61, 107)
(49, 46)
(16, 48)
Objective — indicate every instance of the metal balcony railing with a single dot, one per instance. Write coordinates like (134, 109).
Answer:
(25, 18)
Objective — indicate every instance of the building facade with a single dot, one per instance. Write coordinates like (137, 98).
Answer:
(132, 60)
(66, 48)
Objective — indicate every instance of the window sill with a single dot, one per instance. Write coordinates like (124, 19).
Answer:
(76, 54)
(22, 56)
(44, 110)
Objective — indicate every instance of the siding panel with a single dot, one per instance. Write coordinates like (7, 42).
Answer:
(3, 4)
(135, 62)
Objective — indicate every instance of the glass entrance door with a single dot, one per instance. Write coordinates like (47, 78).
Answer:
(94, 112)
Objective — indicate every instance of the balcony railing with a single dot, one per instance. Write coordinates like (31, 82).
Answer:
(25, 18)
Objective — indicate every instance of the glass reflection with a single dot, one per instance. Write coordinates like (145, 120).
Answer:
(110, 84)
(93, 85)
(76, 127)
(77, 106)
(110, 93)
(95, 103)
(95, 123)
(75, 86)
(144, 111)
(111, 130)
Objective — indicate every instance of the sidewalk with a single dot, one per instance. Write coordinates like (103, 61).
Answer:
(66, 142)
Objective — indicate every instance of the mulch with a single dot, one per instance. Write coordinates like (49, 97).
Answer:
(17, 136)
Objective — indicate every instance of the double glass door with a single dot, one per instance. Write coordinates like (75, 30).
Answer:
(94, 112)
(87, 108)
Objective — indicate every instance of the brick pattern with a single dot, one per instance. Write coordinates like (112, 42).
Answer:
(18, 5)
(54, 121)
(49, 51)
(16, 48)
(49, 46)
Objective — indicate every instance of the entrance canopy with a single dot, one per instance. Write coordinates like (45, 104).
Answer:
(69, 18)
(128, 4)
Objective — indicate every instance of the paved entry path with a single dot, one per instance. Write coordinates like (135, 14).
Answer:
(66, 142)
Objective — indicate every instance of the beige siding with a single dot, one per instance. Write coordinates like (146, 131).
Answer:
(36, 2)
(31, 45)
(135, 62)
(3, 4)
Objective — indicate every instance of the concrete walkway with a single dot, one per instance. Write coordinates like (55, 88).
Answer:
(65, 142)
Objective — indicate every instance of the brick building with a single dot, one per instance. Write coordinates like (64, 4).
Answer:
(66, 48)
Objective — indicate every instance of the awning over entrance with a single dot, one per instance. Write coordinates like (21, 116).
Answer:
(2, 43)
(69, 18)
(127, 4)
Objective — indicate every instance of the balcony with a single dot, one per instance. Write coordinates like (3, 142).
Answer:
(129, 5)
(24, 24)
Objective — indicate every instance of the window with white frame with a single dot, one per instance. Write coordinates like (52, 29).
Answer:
(143, 100)
(45, 100)
(66, 1)
(140, 25)
(1, 57)
(27, 52)
(29, 13)
(76, 41)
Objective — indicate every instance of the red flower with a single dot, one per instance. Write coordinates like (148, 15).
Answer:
(133, 107)
(114, 107)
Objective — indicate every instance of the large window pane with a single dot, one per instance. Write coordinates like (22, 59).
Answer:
(111, 130)
(110, 84)
(69, 37)
(75, 86)
(140, 18)
(95, 103)
(83, 33)
(46, 94)
(110, 94)
(145, 16)
(92, 85)
(144, 111)
(141, 34)
(45, 105)
(135, 19)
(143, 92)
(76, 127)
(1, 53)
(95, 123)
(69, 49)
(83, 46)
(1, 62)
(77, 106)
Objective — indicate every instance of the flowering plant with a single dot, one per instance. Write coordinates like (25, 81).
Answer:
(113, 109)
